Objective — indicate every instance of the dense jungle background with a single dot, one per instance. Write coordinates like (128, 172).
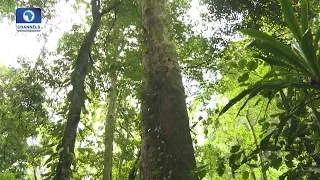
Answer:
(143, 89)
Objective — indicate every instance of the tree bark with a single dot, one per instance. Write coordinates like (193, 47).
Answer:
(166, 150)
(109, 131)
(35, 173)
(77, 96)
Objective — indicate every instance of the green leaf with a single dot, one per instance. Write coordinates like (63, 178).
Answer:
(264, 38)
(298, 51)
(245, 175)
(276, 163)
(265, 126)
(232, 159)
(251, 156)
(304, 16)
(200, 172)
(272, 147)
(265, 141)
(289, 164)
(275, 62)
(244, 77)
(235, 100)
(285, 101)
(316, 40)
(252, 65)
(278, 49)
(265, 167)
(242, 63)
(252, 92)
(221, 168)
(291, 19)
(309, 52)
(49, 159)
(235, 149)
(289, 157)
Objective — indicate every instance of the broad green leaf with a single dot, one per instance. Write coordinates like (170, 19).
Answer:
(272, 86)
(242, 63)
(289, 164)
(244, 77)
(291, 19)
(304, 16)
(221, 168)
(292, 58)
(252, 92)
(239, 97)
(265, 167)
(309, 52)
(49, 159)
(202, 173)
(235, 149)
(232, 159)
(297, 49)
(245, 175)
(276, 62)
(264, 37)
(276, 163)
(265, 141)
(251, 156)
(265, 126)
(252, 65)
(277, 48)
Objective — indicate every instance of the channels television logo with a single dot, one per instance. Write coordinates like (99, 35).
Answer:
(28, 19)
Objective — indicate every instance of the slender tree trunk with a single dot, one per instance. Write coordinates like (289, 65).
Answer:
(109, 131)
(77, 96)
(110, 119)
(166, 150)
(264, 174)
(35, 173)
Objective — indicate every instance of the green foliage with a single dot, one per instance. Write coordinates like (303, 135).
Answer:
(269, 129)
(7, 176)
(22, 116)
(294, 70)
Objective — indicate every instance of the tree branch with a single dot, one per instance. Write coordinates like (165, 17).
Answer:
(110, 8)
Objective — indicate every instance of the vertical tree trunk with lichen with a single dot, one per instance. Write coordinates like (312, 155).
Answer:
(166, 150)
(109, 131)
(111, 119)
(77, 96)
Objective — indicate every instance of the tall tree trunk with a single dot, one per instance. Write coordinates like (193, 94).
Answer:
(77, 95)
(166, 150)
(109, 131)
(35, 173)
(110, 119)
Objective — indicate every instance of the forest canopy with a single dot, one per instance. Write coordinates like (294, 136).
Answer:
(159, 89)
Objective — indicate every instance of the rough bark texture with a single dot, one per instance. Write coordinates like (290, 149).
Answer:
(167, 151)
(77, 96)
(109, 131)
